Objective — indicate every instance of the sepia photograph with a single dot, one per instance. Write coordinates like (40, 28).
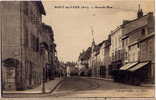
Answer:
(74, 49)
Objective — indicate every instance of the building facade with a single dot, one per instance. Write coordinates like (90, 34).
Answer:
(116, 49)
(23, 59)
(128, 54)
(139, 34)
(141, 44)
(106, 58)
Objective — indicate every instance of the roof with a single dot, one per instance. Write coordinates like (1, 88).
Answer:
(107, 43)
(130, 21)
(41, 7)
(115, 30)
(97, 47)
(85, 54)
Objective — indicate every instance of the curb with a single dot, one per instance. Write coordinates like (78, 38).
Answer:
(99, 78)
(52, 90)
(147, 85)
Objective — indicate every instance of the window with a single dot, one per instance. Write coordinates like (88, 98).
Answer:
(150, 30)
(143, 31)
(34, 43)
(35, 19)
(119, 54)
(37, 45)
(138, 45)
(125, 55)
(26, 38)
(126, 42)
(123, 43)
(129, 48)
(26, 8)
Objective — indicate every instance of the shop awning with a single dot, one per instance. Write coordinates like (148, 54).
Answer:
(138, 66)
(127, 66)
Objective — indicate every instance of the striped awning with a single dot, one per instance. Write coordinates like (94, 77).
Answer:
(127, 66)
(138, 66)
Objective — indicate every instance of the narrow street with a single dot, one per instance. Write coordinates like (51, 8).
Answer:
(86, 87)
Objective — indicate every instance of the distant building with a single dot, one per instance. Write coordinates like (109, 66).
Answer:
(100, 60)
(83, 62)
(95, 59)
(106, 58)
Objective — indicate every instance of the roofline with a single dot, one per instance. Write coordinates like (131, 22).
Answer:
(137, 18)
(115, 30)
(39, 4)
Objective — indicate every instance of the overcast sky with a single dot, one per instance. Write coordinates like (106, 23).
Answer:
(72, 26)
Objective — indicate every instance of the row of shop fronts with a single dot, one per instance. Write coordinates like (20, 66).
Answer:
(133, 73)
(127, 55)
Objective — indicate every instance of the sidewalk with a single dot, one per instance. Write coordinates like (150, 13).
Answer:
(147, 85)
(142, 85)
(49, 86)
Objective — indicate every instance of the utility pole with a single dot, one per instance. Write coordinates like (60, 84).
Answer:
(93, 44)
(92, 32)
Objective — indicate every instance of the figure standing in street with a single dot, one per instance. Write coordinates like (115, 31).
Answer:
(68, 71)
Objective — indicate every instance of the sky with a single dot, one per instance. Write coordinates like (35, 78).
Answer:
(72, 26)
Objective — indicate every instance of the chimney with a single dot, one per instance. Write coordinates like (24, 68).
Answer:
(140, 12)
